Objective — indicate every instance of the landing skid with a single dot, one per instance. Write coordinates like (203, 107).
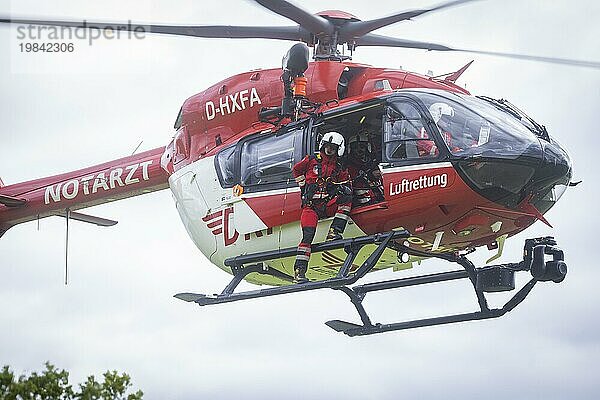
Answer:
(494, 278)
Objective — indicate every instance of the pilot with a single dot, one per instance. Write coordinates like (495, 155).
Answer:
(324, 183)
(442, 114)
(367, 187)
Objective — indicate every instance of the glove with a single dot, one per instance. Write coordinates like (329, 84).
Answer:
(344, 194)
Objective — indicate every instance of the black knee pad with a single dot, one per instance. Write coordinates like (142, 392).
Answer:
(339, 224)
(308, 234)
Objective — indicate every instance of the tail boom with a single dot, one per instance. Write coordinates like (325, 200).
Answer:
(115, 180)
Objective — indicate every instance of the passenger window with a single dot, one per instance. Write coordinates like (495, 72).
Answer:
(406, 136)
(226, 166)
(270, 159)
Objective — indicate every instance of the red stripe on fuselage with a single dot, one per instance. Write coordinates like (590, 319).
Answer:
(214, 223)
(212, 216)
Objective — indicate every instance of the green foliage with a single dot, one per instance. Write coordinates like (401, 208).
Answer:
(53, 384)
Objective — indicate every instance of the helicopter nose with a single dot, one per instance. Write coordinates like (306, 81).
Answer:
(555, 165)
(540, 171)
(552, 177)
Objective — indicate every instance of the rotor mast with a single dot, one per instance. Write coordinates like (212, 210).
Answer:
(325, 46)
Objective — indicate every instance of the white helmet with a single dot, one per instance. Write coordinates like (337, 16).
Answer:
(439, 109)
(334, 138)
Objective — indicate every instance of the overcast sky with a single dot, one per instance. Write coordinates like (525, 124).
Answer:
(62, 112)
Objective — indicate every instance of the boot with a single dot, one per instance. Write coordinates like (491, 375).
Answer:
(338, 225)
(300, 275)
(333, 234)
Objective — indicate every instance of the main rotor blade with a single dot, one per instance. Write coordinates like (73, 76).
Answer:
(312, 23)
(356, 29)
(386, 41)
(295, 33)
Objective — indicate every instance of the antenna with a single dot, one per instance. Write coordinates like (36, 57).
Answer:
(68, 216)
(138, 146)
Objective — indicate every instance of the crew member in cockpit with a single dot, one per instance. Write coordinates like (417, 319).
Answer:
(324, 183)
(442, 115)
(367, 186)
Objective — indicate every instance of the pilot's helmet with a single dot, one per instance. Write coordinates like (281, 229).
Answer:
(441, 112)
(359, 146)
(332, 140)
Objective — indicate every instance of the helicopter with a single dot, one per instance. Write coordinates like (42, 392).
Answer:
(450, 203)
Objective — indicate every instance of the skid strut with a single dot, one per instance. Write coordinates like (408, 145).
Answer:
(344, 278)
(488, 279)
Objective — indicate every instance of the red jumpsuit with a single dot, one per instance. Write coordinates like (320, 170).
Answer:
(323, 182)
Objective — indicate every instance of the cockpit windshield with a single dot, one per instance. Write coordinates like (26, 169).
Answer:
(472, 126)
(507, 107)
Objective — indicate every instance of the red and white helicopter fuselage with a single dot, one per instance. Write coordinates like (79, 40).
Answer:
(429, 198)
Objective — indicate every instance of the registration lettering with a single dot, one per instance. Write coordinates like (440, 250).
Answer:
(231, 103)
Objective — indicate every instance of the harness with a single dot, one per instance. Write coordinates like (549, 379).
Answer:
(319, 193)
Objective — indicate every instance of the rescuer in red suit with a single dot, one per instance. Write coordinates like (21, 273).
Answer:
(364, 172)
(323, 182)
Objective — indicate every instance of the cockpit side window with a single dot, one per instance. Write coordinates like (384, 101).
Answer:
(225, 163)
(269, 159)
(406, 136)
(179, 120)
